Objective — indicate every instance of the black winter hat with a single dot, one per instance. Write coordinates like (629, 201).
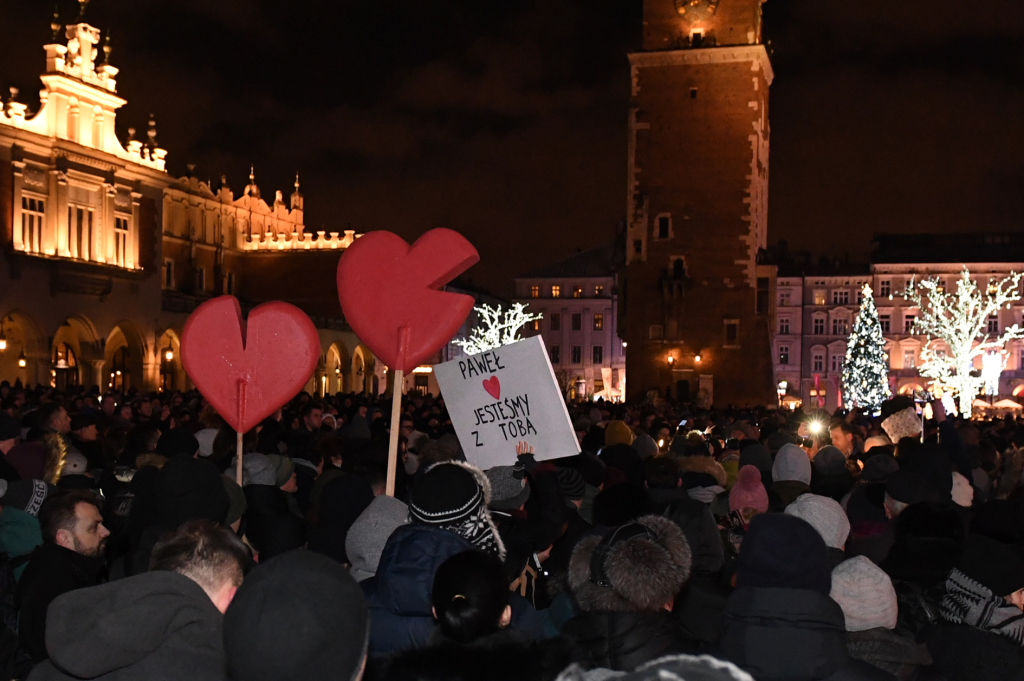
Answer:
(190, 489)
(9, 427)
(318, 616)
(621, 503)
(571, 482)
(992, 565)
(446, 493)
(783, 551)
(879, 468)
(912, 488)
(177, 441)
(82, 419)
(999, 519)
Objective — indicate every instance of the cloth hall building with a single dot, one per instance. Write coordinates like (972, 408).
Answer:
(105, 254)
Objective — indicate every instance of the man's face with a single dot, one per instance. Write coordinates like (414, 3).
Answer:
(146, 409)
(314, 419)
(842, 441)
(89, 536)
(126, 413)
(362, 410)
(87, 434)
(405, 429)
(108, 406)
(61, 421)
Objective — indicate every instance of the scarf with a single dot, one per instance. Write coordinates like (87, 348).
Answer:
(968, 602)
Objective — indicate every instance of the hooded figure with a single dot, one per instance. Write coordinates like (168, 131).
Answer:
(157, 626)
(791, 476)
(982, 634)
(780, 623)
(625, 584)
(448, 514)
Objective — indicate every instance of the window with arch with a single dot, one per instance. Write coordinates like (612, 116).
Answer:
(65, 367)
(119, 379)
(678, 269)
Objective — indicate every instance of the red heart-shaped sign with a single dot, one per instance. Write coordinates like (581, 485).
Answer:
(388, 292)
(493, 387)
(248, 369)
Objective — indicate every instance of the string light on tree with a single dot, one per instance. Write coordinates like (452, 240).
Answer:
(497, 327)
(865, 371)
(959, 319)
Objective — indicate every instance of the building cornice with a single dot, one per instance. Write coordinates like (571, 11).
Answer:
(709, 55)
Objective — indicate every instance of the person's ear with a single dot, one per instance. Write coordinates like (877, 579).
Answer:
(65, 539)
(433, 611)
(506, 617)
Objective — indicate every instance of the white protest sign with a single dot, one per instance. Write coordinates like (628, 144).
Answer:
(504, 396)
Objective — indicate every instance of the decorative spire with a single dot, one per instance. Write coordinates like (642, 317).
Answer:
(251, 189)
(131, 134)
(296, 182)
(296, 198)
(252, 174)
(107, 49)
(55, 24)
(82, 6)
(151, 133)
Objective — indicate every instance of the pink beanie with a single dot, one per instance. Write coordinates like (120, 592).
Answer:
(748, 492)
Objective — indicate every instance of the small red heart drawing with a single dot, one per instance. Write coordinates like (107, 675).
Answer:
(248, 369)
(493, 387)
(388, 292)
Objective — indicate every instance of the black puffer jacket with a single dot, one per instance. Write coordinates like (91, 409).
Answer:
(890, 652)
(778, 634)
(507, 655)
(623, 640)
(963, 653)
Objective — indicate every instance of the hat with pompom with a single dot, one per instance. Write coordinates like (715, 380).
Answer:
(748, 492)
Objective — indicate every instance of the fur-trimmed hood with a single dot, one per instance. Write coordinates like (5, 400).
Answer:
(644, 575)
(703, 464)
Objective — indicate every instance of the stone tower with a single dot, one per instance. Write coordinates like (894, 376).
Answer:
(697, 306)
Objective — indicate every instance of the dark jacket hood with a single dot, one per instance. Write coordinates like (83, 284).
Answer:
(778, 633)
(159, 624)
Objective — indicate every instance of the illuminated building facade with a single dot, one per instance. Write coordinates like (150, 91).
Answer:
(105, 254)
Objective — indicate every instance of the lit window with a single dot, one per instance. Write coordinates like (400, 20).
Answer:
(535, 291)
(33, 212)
(598, 322)
(577, 291)
(908, 323)
(783, 354)
(598, 291)
(909, 359)
(783, 298)
(536, 324)
(556, 291)
(121, 241)
(598, 354)
(784, 325)
(819, 296)
(79, 234)
(577, 355)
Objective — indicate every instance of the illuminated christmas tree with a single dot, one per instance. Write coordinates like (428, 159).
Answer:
(497, 327)
(865, 371)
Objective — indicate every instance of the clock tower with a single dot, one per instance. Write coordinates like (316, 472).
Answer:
(697, 303)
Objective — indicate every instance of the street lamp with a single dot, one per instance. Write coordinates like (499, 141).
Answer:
(696, 359)
(169, 354)
(3, 338)
(22, 360)
(671, 360)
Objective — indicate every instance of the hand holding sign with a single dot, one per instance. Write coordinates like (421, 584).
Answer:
(389, 293)
(248, 370)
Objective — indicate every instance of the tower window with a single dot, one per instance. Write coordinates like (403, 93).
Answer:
(678, 269)
(697, 37)
(732, 333)
(638, 246)
(664, 226)
(693, 93)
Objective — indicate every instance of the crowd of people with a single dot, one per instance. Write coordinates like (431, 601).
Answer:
(681, 543)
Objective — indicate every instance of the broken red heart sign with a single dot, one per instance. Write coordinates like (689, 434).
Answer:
(493, 387)
(389, 293)
(248, 369)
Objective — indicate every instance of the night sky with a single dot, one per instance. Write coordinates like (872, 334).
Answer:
(507, 121)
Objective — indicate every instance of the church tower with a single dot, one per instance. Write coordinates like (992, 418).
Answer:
(696, 304)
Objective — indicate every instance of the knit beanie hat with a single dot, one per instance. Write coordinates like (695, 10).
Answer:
(369, 533)
(74, 464)
(825, 515)
(783, 551)
(454, 496)
(791, 463)
(283, 468)
(572, 483)
(865, 593)
(27, 495)
(829, 461)
(748, 492)
(778, 440)
(879, 467)
(758, 456)
(617, 432)
(992, 565)
(321, 623)
(258, 469)
(190, 489)
(177, 442)
(509, 488)
(9, 427)
(905, 423)
(645, 446)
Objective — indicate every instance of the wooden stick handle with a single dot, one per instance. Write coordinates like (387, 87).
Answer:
(396, 410)
(240, 434)
(238, 455)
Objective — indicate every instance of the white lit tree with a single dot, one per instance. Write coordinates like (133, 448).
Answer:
(960, 320)
(865, 371)
(497, 327)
